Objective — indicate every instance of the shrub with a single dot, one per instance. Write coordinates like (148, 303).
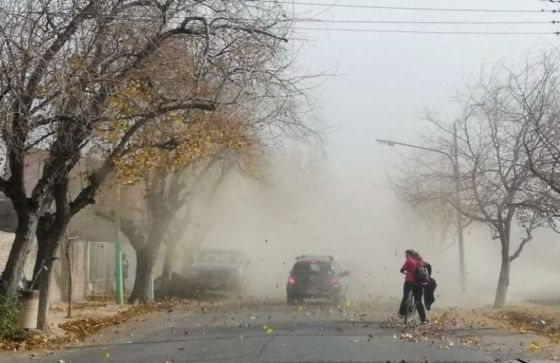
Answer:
(9, 322)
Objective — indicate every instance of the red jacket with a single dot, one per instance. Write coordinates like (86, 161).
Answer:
(409, 268)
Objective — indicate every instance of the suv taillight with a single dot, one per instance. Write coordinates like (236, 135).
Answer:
(291, 280)
(333, 281)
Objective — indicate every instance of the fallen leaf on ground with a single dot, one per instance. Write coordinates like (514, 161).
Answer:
(534, 347)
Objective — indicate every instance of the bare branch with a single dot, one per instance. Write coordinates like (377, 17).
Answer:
(519, 249)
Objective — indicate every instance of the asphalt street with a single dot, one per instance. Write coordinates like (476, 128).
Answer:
(262, 333)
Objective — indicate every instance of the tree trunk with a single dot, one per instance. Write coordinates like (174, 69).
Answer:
(170, 257)
(503, 280)
(146, 256)
(44, 287)
(50, 231)
(70, 280)
(503, 284)
(21, 247)
(145, 260)
(48, 244)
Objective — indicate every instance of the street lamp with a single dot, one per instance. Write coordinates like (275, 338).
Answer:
(118, 247)
(455, 162)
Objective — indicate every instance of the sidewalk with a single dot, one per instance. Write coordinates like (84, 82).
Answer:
(87, 319)
(533, 329)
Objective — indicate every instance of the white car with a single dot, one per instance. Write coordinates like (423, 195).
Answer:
(219, 270)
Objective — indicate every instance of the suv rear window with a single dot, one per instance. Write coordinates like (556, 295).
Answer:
(312, 267)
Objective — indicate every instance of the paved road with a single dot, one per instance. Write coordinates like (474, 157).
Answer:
(262, 333)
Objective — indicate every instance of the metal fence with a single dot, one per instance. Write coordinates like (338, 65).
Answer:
(101, 267)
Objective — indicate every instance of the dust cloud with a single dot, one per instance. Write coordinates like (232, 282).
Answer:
(303, 208)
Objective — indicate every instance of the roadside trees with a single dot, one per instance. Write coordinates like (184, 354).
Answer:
(86, 76)
(497, 187)
(157, 188)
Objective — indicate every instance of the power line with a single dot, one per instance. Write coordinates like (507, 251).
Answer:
(350, 21)
(425, 31)
(178, 20)
(513, 22)
(334, 5)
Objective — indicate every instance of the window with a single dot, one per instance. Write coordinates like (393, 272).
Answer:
(219, 257)
(313, 267)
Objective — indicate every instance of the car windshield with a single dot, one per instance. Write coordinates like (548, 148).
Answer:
(219, 257)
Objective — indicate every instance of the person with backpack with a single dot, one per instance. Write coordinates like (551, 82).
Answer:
(425, 286)
(426, 281)
(408, 269)
(429, 292)
(417, 275)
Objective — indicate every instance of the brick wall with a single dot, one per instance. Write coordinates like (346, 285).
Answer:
(59, 279)
(6, 240)
(78, 250)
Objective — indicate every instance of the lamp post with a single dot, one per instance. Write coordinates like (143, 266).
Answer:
(454, 158)
(118, 248)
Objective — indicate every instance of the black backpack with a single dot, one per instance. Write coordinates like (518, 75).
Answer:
(422, 275)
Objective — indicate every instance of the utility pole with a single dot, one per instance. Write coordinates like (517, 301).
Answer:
(454, 159)
(460, 237)
(118, 247)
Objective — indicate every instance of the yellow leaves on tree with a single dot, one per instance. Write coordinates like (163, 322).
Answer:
(130, 100)
(170, 140)
(174, 144)
(75, 61)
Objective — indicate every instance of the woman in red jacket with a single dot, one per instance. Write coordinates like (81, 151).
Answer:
(411, 264)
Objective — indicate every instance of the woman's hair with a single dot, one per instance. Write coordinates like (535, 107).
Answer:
(414, 254)
(417, 256)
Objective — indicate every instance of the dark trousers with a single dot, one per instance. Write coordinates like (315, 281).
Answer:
(418, 292)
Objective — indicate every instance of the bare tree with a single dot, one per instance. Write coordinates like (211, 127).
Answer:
(149, 210)
(163, 179)
(79, 75)
(497, 187)
(542, 138)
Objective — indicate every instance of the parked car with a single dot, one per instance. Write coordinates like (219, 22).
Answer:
(316, 277)
(219, 270)
(178, 285)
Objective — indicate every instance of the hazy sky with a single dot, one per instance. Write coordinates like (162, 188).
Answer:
(386, 81)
